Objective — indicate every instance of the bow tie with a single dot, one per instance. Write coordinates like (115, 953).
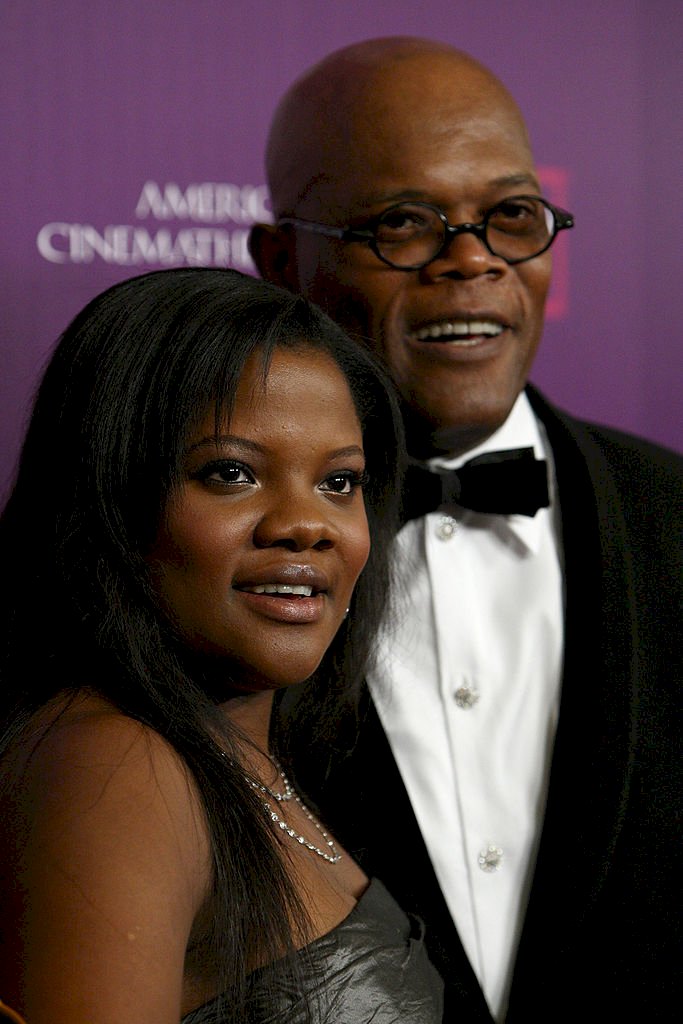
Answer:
(505, 483)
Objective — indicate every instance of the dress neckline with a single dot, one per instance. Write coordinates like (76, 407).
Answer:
(374, 885)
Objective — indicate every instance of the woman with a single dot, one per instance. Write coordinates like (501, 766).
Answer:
(207, 461)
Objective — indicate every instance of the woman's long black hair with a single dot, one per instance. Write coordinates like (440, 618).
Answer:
(130, 379)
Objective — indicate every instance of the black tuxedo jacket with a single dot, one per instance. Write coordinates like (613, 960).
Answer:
(600, 939)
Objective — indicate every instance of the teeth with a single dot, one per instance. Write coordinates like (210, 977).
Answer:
(280, 588)
(485, 327)
(459, 329)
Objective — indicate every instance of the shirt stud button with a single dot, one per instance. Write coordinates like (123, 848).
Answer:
(466, 697)
(491, 858)
(446, 528)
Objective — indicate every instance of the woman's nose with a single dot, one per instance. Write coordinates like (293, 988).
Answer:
(296, 524)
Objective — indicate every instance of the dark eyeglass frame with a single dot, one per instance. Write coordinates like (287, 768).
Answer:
(562, 220)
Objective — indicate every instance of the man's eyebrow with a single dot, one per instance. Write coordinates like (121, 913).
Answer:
(407, 195)
(511, 180)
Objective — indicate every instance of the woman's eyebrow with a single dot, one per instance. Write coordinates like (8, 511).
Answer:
(225, 441)
(244, 444)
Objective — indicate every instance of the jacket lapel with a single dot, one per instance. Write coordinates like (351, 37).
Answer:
(592, 759)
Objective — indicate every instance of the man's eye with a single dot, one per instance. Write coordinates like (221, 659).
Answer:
(514, 209)
(403, 222)
(344, 482)
(517, 216)
(224, 473)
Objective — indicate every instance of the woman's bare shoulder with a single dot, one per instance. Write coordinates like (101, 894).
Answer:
(81, 755)
(108, 849)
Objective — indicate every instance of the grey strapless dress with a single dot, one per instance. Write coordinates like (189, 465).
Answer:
(371, 969)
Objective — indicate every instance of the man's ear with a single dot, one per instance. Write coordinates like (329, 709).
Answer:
(272, 250)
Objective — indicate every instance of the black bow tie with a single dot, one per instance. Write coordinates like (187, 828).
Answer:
(504, 483)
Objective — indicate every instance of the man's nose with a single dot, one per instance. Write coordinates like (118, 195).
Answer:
(296, 524)
(464, 255)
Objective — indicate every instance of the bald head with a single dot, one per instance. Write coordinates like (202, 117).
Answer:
(329, 116)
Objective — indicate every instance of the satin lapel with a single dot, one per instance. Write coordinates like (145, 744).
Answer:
(594, 746)
(366, 806)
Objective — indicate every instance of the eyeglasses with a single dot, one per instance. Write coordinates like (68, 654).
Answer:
(408, 236)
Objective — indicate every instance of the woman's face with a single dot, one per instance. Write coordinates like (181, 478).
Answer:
(262, 544)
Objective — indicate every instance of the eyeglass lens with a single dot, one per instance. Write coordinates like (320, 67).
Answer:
(411, 235)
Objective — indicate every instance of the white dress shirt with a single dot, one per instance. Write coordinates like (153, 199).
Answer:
(467, 688)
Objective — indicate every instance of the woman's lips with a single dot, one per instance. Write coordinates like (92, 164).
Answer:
(292, 593)
(283, 605)
(279, 588)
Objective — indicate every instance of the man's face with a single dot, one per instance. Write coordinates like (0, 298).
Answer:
(420, 138)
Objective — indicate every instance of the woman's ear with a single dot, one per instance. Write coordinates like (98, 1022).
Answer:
(273, 252)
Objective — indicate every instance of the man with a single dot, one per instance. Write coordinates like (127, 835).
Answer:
(519, 732)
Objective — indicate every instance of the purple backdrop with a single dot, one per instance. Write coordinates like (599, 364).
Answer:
(135, 136)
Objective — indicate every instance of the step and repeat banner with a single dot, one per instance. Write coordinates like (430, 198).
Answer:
(134, 136)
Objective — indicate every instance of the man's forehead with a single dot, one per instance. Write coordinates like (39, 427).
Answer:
(476, 159)
(382, 123)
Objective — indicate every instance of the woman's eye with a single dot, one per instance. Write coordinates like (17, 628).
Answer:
(344, 482)
(224, 473)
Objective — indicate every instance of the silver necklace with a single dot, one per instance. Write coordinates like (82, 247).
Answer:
(280, 797)
(331, 854)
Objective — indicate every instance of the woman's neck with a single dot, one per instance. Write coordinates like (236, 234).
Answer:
(251, 714)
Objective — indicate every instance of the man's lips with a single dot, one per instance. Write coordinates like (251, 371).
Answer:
(459, 330)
